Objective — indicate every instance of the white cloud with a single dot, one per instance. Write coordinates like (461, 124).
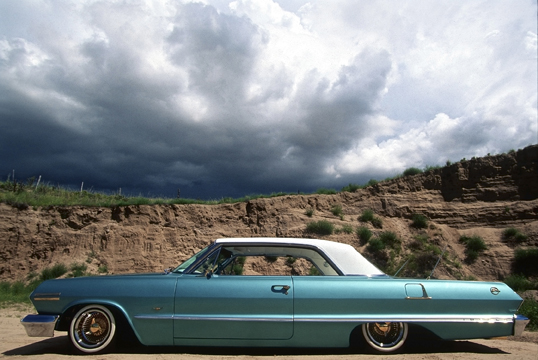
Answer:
(286, 94)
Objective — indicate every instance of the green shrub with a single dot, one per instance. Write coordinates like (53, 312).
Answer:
(425, 263)
(237, 269)
(322, 227)
(351, 188)
(364, 234)
(375, 245)
(377, 222)
(431, 168)
(529, 308)
(309, 212)
(471, 256)
(389, 238)
(324, 191)
(16, 292)
(474, 246)
(371, 182)
(510, 232)
(514, 235)
(526, 262)
(519, 283)
(367, 215)
(474, 243)
(54, 272)
(336, 210)
(102, 269)
(412, 171)
(347, 229)
(419, 221)
(290, 260)
(78, 270)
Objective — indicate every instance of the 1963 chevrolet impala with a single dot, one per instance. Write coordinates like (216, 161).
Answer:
(219, 297)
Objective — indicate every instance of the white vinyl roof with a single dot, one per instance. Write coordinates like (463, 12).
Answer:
(345, 257)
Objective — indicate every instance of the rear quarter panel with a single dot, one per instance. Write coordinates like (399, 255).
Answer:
(450, 309)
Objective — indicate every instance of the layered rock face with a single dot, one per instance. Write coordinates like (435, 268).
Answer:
(480, 196)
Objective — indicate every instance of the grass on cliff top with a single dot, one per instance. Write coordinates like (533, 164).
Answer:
(23, 196)
(36, 194)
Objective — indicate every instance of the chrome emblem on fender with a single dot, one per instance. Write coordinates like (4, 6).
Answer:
(495, 291)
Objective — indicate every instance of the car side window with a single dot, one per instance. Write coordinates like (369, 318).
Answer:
(264, 260)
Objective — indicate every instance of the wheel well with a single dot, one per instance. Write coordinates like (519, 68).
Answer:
(356, 340)
(126, 332)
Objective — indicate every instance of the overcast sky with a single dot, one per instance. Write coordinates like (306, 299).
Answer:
(232, 98)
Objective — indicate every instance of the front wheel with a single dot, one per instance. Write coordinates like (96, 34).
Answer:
(385, 336)
(92, 329)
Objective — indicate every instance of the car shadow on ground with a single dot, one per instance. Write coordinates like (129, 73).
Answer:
(60, 346)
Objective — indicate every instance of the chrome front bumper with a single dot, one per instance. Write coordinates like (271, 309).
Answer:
(520, 322)
(39, 325)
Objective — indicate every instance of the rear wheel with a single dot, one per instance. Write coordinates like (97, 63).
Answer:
(385, 336)
(92, 329)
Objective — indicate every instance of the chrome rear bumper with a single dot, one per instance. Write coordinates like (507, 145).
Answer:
(39, 325)
(520, 322)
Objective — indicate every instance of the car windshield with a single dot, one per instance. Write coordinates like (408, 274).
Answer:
(187, 263)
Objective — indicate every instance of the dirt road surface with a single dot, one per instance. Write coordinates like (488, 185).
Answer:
(16, 345)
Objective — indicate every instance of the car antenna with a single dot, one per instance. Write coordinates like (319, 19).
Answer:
(437, 263)
(401, 267)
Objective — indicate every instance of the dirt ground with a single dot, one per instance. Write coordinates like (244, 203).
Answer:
(15, 344)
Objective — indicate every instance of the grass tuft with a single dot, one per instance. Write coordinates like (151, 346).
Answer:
(322, 227)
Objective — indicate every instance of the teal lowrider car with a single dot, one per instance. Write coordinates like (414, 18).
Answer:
(271, 292)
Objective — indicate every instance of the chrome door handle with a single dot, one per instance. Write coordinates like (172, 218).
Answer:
(280, 288)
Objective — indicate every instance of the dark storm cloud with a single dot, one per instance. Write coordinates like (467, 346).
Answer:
(233, 100)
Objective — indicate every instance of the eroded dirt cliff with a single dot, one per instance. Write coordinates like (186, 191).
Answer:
(482, 196)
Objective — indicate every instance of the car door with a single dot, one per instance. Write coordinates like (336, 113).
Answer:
(233, 307)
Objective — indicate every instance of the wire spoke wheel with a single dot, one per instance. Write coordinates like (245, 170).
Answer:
(385, 336)
(92, 329)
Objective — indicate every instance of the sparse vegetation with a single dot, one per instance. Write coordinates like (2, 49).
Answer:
(309, 212)
(54, 272)
(474, 246)
(514, 236)
(16, 292)
(321, 227)
(375, 245)
(336, 210)
(346, 229)
(364, 234)
(351, 188)
(529, 308)
(290, 260)
(377, 222)
(526, 262)
(419, 221)
(519, 283)
(412, 171)
(367, 215)
(324, 191)
(78, 270)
